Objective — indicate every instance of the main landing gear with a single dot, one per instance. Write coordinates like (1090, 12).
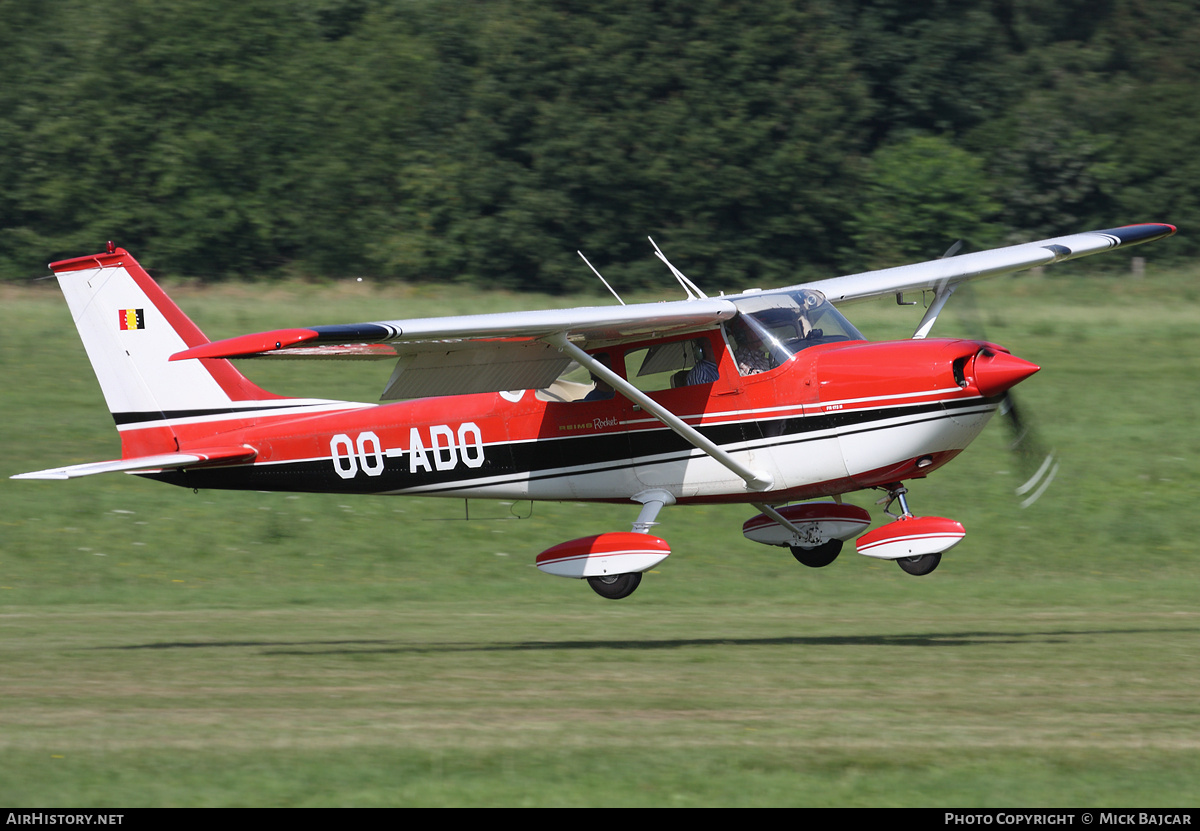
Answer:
(814, 531)
(616, 586)
(613, 563)
(818, 556)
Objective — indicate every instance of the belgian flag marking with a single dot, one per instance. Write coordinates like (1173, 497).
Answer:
(132, 319)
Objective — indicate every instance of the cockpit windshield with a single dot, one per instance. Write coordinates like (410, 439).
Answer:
(771, 327)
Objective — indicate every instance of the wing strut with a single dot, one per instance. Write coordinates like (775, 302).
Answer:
(940, 295)
(756, 480)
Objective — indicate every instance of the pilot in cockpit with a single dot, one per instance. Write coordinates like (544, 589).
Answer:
(705, 370)
(603, 391)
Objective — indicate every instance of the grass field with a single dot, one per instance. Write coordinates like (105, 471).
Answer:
(165, 648)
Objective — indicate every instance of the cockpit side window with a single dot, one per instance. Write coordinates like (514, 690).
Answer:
(578, 384)
(664, 366)
(660, 366)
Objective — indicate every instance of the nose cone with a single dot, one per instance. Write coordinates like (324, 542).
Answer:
(996, 372)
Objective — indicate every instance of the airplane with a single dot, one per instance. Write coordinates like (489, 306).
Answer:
(768, 398)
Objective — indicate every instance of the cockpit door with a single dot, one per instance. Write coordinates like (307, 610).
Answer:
(695, 379)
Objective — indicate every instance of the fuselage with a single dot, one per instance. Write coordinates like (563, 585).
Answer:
(834, 418)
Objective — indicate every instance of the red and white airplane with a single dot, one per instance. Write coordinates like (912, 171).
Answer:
(766, 398)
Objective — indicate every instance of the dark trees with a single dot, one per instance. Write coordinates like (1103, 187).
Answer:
(758, 142)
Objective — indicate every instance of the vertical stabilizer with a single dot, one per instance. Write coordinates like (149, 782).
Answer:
(130, 328)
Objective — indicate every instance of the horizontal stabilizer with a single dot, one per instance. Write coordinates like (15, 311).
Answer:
(193, 458)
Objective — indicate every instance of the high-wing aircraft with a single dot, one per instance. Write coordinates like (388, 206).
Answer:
(768, 398)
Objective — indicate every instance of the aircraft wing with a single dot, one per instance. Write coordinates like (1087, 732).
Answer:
(476, 353)
(520, 350)
(937, 275)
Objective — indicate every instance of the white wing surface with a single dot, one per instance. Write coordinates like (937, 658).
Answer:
(937, 274)
(480, 353)
(513, 350)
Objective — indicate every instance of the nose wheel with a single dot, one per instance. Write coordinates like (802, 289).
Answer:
(915, 543)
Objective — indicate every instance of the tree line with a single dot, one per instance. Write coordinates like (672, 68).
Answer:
(759, 142)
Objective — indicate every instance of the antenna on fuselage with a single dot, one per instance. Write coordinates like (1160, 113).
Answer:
(601, 276)
(689, 287)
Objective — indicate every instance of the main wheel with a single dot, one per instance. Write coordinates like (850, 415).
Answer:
(615, 586)
(919, 565)
(819, 556)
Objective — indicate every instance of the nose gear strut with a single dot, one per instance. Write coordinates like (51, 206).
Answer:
(915, 543)
(895, 493)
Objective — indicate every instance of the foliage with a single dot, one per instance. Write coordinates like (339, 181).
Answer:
(486, 141)
(920, 193)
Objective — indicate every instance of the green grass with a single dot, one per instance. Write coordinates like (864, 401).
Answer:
(159, 647)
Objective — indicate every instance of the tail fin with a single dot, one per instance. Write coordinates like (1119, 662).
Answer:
(130, 328)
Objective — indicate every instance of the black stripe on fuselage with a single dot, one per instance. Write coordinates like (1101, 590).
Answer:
(509, 462)
(172, 415)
